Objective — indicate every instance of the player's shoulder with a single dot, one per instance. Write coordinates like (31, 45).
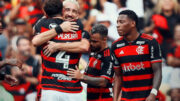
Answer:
(80, 24)
(146, 37)
(40, 22)
(118, 43)
(119, 40)
(106, 55)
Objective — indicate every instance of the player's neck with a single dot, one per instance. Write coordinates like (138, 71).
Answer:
(132, 36)
(103, 47)
(58, 16)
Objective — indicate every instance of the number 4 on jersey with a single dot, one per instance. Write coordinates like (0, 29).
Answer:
(65, 60)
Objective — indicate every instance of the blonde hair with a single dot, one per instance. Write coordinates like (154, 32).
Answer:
(158, 8)
(72, 1)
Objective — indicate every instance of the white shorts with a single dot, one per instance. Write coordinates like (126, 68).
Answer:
(52, 95)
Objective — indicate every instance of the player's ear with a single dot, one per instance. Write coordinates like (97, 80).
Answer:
(133, 23)
(105, 39)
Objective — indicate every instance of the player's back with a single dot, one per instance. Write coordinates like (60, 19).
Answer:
(55, 66)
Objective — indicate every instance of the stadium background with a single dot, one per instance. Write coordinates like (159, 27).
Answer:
(156, 17)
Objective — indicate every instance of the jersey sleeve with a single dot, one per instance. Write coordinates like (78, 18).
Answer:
(115, 61)
(155, 51)
(36, 29)
(85, 35)
(79, 23)
(107, 68)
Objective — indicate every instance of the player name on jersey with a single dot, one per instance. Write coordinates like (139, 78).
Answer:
(70, 36)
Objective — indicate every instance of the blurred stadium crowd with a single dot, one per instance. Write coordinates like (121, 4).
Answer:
(159, 18)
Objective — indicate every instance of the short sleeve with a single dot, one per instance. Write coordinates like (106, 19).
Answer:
(79, 23)
(155, 51)
(36, 29)
(115, 61)
(107, 68)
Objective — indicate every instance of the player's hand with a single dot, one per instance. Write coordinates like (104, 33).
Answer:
(69, 26)
(10, 80)
(76, 74)
(50, 48)
(151, 97)
(14, 62)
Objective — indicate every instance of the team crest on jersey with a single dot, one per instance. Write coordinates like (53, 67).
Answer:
(52, 25)
(140, 50)
(95, 62)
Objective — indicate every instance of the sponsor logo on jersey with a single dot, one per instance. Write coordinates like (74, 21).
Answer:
(99, 56)
(140, 42)
(152, 52)
(130, 67)
(95, 62)
(61, 77)
(121, 45)
(122, 52)
(52, 25)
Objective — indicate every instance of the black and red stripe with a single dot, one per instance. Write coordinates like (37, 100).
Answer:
(135, 60)
(54, 76)
(96, 69)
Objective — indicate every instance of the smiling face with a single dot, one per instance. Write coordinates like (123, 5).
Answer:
(167, 4)
(124, 25)
(70, 11)
(24, 47)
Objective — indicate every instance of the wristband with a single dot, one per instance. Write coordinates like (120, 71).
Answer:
(154, 91)
(58, 30)
(2, 76)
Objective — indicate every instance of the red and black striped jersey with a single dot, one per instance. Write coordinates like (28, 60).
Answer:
(100, 65)
(55, 67)
(19, 91)
(135, 62)
(174, 51)
(35, 15)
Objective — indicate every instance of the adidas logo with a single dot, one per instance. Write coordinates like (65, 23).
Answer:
(122, 52)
